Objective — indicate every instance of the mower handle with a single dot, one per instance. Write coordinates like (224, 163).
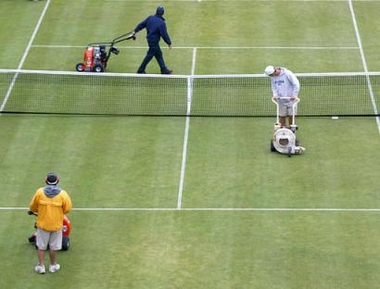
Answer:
(126, 36)
(275, 101)
(296, 99)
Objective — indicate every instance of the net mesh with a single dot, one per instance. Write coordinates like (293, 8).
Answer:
(349, 94)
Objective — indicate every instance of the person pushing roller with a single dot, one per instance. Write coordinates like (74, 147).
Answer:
(50, 203)
(285, 89)
(156, 29)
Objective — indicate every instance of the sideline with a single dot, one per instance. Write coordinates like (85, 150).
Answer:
(364, 63)
(10, 88)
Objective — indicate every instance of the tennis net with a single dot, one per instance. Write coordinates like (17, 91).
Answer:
(54, 92)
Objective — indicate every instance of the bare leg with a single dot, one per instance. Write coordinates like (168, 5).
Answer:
(53, 257)
(290, 120)
(41, 254)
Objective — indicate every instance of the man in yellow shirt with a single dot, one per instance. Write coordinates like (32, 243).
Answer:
(50, 203)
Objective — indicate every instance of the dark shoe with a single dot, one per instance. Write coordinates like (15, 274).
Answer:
(141, 72)
(167, 72)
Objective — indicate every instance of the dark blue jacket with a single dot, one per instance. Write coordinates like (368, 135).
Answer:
(155, 27)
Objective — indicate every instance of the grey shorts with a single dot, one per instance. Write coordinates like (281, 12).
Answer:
(51, 239)
(286, 110)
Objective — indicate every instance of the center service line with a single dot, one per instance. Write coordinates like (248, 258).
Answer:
(187, 128)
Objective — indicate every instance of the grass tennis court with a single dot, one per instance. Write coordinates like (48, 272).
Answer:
(197, 202)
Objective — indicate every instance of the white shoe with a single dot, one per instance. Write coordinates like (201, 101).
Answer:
(54, 268)
(40, 269)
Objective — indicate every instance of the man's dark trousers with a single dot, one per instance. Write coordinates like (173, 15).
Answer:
(154, 51)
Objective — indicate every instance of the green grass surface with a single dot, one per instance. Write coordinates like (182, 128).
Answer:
(247, 218)
(197, 250)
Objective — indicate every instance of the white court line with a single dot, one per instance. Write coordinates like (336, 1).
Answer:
(187, 129)
(216, 47)
(283, 1)
(332, 210)
(364, 62)
(10, 88)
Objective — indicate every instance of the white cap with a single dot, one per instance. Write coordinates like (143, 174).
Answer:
(269, 70)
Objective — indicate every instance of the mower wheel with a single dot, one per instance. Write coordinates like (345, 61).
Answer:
(98, 68)
(79, 67)
(65, 243)
(272, 148)
(32, 238)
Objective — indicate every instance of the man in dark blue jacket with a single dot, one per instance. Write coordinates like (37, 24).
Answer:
(156, 29)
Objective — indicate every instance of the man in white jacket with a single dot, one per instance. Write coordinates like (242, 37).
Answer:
(285, 89)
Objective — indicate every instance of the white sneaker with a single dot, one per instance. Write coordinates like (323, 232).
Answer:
(54, 268)
(40, 269)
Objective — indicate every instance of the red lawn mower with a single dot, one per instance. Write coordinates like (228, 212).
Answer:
(96, 55)
(66, 228)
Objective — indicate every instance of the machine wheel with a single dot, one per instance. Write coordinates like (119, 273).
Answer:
(98, 68)
(65, 243)
(79, 67)
(32, 239)
(272, 148)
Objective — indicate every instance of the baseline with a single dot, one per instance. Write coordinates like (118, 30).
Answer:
(105, 209)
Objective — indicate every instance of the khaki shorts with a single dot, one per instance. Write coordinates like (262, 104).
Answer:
(286, 110)
(46, 239)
